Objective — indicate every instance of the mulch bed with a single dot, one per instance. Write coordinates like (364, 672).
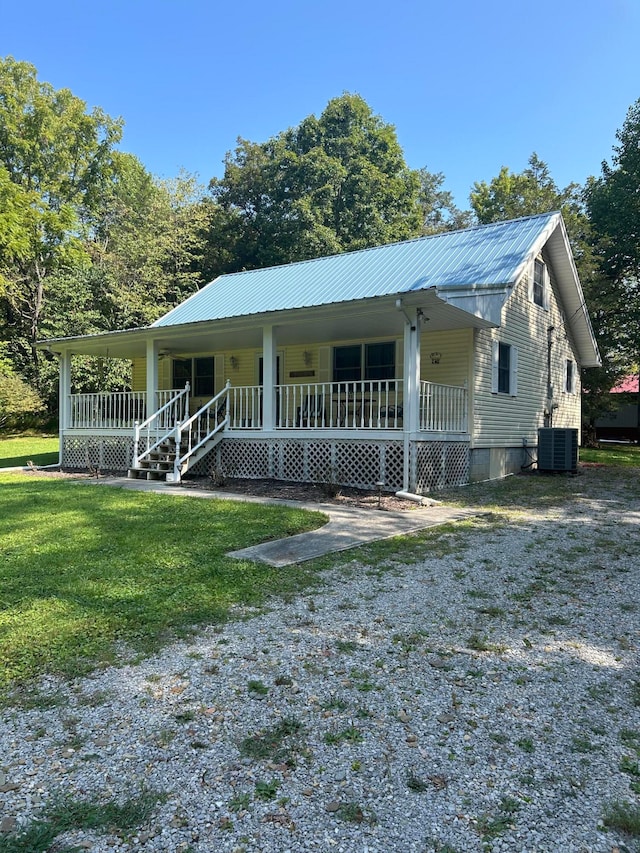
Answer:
(307, 492)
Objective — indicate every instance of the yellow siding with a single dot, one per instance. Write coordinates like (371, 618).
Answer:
(501, 420)
(456, 351)
(138, 374)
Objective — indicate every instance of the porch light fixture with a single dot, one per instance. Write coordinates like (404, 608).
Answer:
(234, 362)
(307, 357)
(435, 357)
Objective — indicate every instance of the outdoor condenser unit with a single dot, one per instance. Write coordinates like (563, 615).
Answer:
(557, 449)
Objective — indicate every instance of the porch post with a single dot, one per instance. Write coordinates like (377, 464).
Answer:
(152, 376)
(411, 404)
(64, 402)
(269, 377)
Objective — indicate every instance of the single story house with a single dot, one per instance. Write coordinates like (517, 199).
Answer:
(410, 366)
(622, 422)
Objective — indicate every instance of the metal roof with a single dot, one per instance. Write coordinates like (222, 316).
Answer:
(484, 256)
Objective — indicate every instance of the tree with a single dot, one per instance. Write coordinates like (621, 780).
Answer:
(439, 212)
(511, 195)
(147, 250)
(54, 160)
(613, 203)
(332, 184)
(19, 404)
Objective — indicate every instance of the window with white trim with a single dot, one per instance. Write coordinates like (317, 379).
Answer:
(570, 377)
(539, 286)
(364, 361)
(198, 372)
(504, 369)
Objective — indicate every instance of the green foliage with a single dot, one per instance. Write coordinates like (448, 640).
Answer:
(91, 567)
(613, 202)
(624, 816)
(54, 160)
(511, 195)
(278, 743)
(20, 405)
(67, 814)
(332, 184)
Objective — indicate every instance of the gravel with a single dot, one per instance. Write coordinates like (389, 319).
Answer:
(481, 698)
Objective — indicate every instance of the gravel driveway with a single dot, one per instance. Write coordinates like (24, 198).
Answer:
(477, 691)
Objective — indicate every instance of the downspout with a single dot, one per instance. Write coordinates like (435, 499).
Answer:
(548, 415)
(64, 378)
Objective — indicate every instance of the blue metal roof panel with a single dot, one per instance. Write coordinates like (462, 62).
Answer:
(486, 255)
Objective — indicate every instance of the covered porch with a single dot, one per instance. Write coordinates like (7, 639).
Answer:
(306, 400)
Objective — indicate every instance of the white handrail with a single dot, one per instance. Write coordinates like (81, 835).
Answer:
(181, 396)
(199, 424)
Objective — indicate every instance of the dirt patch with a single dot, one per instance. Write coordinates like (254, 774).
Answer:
(307, 492)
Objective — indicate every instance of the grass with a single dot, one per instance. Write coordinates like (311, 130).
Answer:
(68, 814)
(39, 448)
(619, 455)
(280, 743)
(623, 816)
(84, 569)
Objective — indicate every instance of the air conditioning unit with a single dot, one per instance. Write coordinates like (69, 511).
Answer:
(557, 449)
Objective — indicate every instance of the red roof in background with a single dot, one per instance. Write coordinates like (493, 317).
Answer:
(627, 385)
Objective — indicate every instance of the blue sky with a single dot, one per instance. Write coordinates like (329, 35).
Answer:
(470, 86)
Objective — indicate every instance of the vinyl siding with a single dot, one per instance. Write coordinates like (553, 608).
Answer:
(501, 420)
(246, 372)
(456, 353)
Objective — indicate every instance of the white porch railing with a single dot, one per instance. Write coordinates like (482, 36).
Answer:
(245, 407)
(115, 410)
(121, 409)
(443, 408)
(320, 405)
(374, 404)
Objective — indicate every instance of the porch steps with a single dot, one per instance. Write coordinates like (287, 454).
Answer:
(160, 462)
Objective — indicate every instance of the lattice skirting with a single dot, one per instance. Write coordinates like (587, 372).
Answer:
(438, 464)
(105, 452)
(361, 464)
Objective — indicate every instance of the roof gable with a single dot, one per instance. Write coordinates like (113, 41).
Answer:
(474, 258)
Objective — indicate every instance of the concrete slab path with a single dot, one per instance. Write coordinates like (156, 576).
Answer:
(347, 526)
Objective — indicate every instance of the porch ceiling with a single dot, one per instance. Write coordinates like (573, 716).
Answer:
(370, 318)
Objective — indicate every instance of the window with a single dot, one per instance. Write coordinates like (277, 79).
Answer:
(538, 293)
(368, 361)
(380, 361)
(570, 381)
(198, 372)
(347, 364)
(504, 368)
(181, 372)
(504, 375)
(203, 377)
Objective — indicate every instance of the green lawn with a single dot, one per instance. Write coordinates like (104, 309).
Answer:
(83, 567)
(612, 454)
(37, 448)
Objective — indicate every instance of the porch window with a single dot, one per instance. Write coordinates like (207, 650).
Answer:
(198, 372)
(504, 376)
(368, 361)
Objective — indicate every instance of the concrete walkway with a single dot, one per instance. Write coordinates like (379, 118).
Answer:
(347, 527)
